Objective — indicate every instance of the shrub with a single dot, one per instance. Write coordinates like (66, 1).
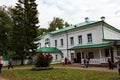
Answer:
(43, 60)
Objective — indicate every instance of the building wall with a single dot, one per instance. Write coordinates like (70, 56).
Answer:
(111, 34)
(95, 30)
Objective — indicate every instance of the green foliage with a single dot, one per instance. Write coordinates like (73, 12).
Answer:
(24, 31)
(5, 27)
(43, 60)
(57, 23)
(41, 31)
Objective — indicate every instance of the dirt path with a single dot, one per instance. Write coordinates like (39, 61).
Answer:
(103, 69)
(1, 78)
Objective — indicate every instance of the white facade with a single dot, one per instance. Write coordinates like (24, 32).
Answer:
(97, 31)
(111, 34)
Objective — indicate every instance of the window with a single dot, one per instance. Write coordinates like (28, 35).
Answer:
(72, 56)
(71, 40)
(47, 42)
(106, 52)
(80, 39)
(91, 56)
(89, 36)
(39, 45)
(61, 40)
(56, 57)
(55, 43)
(118, 50)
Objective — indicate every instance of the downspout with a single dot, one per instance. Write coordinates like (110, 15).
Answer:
(67, 43)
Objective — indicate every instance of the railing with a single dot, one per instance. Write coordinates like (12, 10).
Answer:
(97, 61)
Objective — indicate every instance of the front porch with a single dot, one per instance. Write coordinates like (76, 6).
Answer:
(98, 54)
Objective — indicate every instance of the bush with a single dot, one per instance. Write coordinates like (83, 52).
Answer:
(43, 60)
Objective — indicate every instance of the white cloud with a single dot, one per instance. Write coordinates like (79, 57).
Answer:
(74, 11)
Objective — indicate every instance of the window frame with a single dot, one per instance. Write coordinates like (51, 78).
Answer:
(61, 42)
(55, 43)
(89, 37)
(47, 42)
(71, 40)
(80, 39)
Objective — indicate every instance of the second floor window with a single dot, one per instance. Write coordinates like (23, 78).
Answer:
(55, 43)
(47, 42)
(71, 40)
(39, 45)
(89, 36)
(80, 39)
(61, 40)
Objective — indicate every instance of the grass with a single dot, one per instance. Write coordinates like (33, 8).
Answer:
(59, 74)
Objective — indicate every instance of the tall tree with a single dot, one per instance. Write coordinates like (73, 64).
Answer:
(25, 18)
(41, 31)
(5, 25)
(57, 23)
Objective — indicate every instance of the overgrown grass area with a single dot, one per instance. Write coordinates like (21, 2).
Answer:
(59, 74)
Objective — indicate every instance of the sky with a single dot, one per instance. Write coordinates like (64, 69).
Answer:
(75, 11)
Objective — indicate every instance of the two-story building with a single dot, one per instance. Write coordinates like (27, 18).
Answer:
(95, 39)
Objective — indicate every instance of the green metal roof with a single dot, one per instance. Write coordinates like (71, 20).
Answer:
(111, 39)
(80, 25)
(49, 50)
(91, 46)
(74, 26)
(5, 58)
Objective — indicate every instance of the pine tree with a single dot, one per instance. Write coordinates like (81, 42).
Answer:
(25, 18)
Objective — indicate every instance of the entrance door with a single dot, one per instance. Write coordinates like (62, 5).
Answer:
(78, 57)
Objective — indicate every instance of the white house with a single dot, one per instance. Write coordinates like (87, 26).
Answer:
(95, 39)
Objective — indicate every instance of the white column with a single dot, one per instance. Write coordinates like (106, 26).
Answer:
(109, 53)
(81, 57)
(100, 55)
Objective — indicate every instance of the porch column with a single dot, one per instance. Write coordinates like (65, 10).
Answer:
(100, 54)
(70, 56)
(109, 53)
(81, 57)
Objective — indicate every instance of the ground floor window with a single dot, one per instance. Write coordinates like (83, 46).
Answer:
(56, 57)
(106, 52)
(118, 50)
(72, 56)
(91, 55)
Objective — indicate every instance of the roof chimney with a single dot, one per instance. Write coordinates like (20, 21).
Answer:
(103, 18)
(86, 19)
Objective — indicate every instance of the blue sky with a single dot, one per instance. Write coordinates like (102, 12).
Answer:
(74, 11)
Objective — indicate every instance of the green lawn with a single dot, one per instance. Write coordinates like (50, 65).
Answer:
(59, 74)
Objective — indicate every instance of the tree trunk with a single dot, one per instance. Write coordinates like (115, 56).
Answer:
(22, 61)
